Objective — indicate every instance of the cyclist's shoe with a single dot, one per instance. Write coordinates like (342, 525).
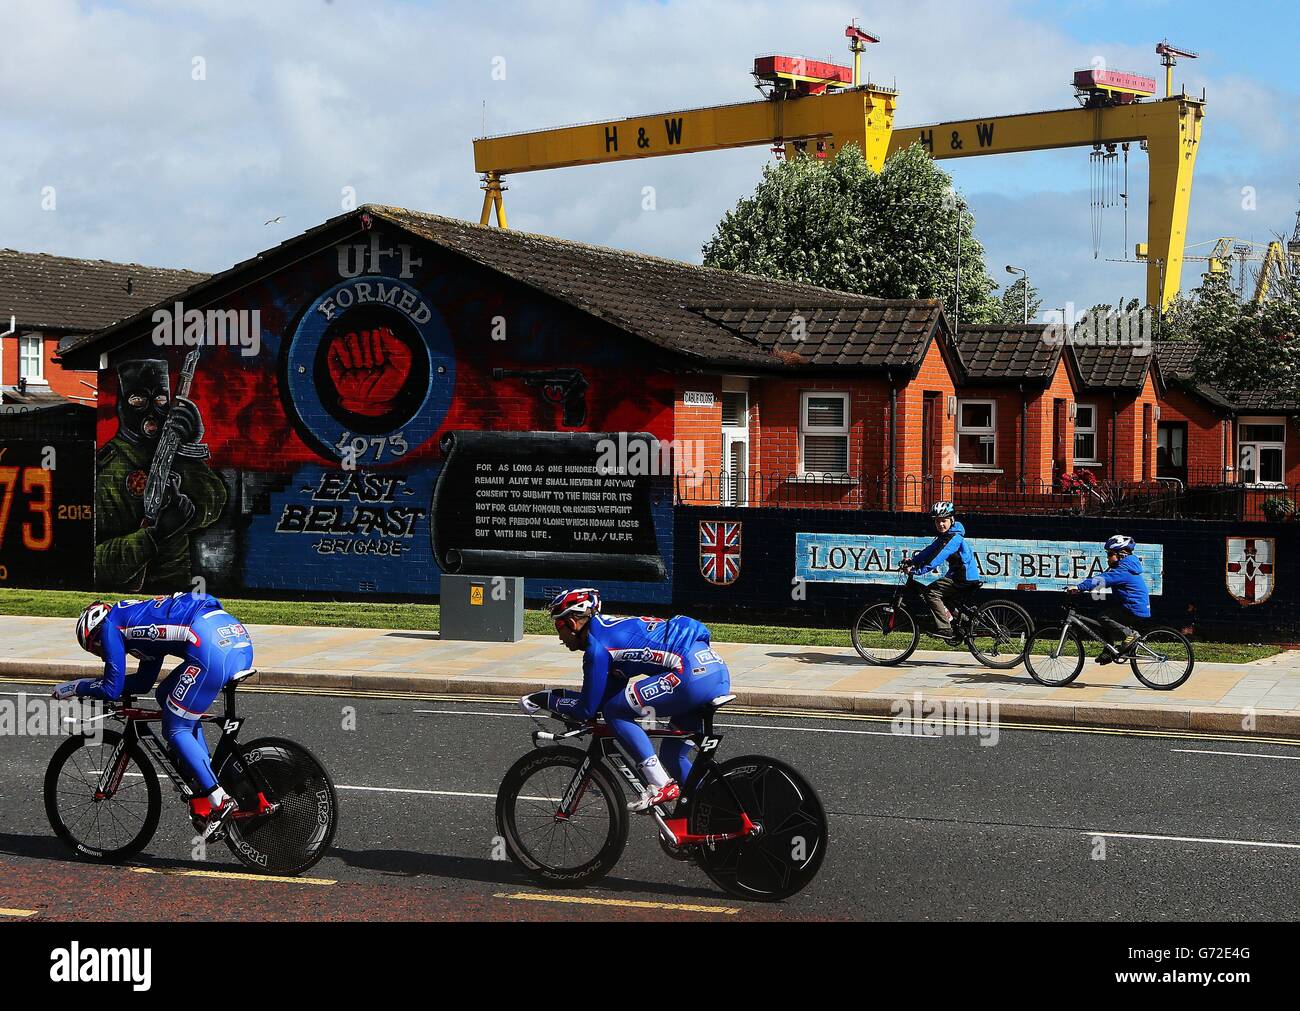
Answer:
(216, 821)
(1107, 654)
(654, 797)
(1127, 644)
(200, 812)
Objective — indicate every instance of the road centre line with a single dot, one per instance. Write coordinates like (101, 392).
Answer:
(589, 900)
(232, 876)
(1234, 754)
(1195, 839)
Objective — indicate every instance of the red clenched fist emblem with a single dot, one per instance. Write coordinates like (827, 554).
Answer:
(368, 368)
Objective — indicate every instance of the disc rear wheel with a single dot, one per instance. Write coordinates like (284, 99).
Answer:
(787, 851)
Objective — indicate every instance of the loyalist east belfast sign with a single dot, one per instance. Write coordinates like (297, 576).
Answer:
(1002, 564)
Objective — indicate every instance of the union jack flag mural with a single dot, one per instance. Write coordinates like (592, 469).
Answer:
(720, 551)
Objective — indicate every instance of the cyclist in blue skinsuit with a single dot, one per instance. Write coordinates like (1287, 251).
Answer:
(634, 668)
(213, 647)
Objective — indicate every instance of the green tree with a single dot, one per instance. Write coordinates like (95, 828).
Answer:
(838, 224)
(1010, 308)
(1243, 345)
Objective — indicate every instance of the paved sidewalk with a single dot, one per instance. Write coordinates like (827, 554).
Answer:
(805, 677)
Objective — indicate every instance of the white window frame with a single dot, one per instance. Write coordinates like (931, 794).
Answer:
(806, 429)
(992, 430)
(1086, 430)
(24, 342)
(1279, 445)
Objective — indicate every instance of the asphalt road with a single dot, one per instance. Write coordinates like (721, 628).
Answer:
(1043, 825)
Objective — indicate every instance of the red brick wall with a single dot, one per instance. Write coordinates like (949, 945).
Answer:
(700, 428)
(1209, 439)
(63, 382)
(934, 376)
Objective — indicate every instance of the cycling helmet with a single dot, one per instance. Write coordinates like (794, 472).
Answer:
(581, 603)
(1120, 543)
(89, 626)
(941, 509)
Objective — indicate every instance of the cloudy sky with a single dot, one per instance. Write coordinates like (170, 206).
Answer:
(167, 132)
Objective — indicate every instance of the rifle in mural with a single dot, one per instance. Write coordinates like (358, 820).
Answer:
(169, 446)
(562, 387)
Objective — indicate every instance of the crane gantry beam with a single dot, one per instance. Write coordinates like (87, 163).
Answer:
(864, 116)
(1170, 130)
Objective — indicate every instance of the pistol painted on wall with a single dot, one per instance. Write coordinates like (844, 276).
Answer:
(562, 387)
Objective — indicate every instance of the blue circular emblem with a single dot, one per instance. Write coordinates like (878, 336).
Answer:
(369, 371)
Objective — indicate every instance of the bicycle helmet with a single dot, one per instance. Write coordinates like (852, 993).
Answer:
(1119, 542)
(90, 625)
(941, 509)
(581, 603)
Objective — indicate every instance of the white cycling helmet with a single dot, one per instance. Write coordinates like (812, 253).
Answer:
(581, 603)
(89, 626)
(1119, 542)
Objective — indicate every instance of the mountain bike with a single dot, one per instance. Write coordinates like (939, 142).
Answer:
(754, 825)
(103, 799)
(1162, 658)
(997, 632)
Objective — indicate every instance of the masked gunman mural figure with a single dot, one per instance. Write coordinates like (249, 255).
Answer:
(153, 489)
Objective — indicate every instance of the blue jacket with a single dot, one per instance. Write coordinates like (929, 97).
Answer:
(1126, 581)
(952, 548)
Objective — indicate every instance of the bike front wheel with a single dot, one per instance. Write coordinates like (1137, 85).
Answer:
(1162, 659)
(1055, 655)
(102, 796)
(564, 851)
(1000, 634)
(787, 851)
(301, 809)
(884, 634)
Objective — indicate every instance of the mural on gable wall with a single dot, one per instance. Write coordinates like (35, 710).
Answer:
(310, 465)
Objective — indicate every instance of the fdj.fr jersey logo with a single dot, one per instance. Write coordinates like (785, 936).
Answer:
(369, 371)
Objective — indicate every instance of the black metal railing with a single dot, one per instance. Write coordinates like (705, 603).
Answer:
(992, 494)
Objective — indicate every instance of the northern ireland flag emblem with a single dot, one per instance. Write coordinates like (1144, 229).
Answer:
(720, 551)
(1251, 568)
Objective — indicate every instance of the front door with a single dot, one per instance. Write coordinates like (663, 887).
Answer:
(1058, 441)
(735, 448)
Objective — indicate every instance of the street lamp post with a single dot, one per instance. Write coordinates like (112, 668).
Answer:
(1025, 275)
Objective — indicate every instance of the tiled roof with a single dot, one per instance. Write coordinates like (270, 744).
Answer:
(647, 296)
(882, 335)
(47, 292)
(1001, 353)
(1175, 363)
(1111, 366)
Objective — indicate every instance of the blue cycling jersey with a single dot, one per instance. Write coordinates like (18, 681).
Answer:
(626, 648)
(151, 630)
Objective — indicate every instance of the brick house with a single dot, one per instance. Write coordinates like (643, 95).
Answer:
(47, 299)
(1211, 435)
(1115, 403)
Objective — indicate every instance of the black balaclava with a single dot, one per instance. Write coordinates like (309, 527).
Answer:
(143, 399)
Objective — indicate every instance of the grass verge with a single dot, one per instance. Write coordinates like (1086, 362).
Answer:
(68, 604)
